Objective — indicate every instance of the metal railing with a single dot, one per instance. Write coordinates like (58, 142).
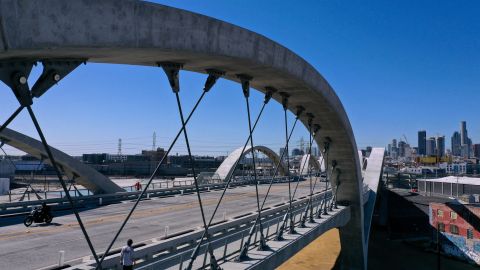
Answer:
(61, 203)
(175, 249)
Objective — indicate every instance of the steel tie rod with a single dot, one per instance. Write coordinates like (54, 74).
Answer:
(268, 96)
(333, 204)
(304, 217)
(252, 231)
(262, 244)
(307, 161)
(327, 147)
(275, 172)
(289, 215)
(322, 161)
(299, 174)
(11, 118)
(213, 261)
(326, 154)
(311, 219)
(289, 212)
(212, 78)
(62, 182)
(172, 72)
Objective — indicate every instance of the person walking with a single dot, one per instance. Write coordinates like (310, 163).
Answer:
(126, 256)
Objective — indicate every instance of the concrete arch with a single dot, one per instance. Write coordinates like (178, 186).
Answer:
(142, 33)
(313, 162)
(226, 169)
(74, 169)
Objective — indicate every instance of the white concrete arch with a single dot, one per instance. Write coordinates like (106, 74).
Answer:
(142, 33)
(73, 169)
(226, 169)
(313, 163)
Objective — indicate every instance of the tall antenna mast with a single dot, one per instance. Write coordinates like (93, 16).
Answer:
(154, 141)
(119, 147)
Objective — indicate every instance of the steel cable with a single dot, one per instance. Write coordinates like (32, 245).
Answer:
(151, 178)
(62, 182)
(262, 246)
(10, 119)
(268, 96)
(213, 263)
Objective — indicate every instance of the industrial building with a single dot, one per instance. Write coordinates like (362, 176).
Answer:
(451, 186)
(458, 225)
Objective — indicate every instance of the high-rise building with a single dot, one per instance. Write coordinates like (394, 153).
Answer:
(280, 153)
(440, 149)
(394, 143)
(476, 150)
(463, 132)
(456, 144)
(470, 147)
(422, 143)
(466, 142)
(401, 148)
(465, 151)
(431, 146)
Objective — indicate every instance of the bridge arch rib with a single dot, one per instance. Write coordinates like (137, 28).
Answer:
(72, 168)
(226, 169)
(142, 33)
(312, 163)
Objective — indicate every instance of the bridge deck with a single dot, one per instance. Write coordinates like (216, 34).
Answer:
(38, 246)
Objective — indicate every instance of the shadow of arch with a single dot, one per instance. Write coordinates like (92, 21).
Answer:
(72, 168)
(226, 169)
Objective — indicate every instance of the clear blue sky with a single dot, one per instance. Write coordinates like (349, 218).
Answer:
(397, 66)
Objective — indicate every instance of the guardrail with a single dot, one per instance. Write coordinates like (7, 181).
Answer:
(57, 204)
(174, 249)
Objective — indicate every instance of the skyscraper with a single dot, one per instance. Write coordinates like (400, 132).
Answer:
(465, 141)
(456, 144)
(440, 146)
(431, 146)
(422, 143)
(463, 132)
(476, 150)
(401, 148)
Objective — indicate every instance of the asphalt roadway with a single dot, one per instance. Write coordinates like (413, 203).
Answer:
(39, 245)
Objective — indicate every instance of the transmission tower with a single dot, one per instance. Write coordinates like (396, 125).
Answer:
(154, 144)
(119, 147)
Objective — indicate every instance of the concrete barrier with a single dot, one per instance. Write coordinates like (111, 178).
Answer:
(174, 246)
